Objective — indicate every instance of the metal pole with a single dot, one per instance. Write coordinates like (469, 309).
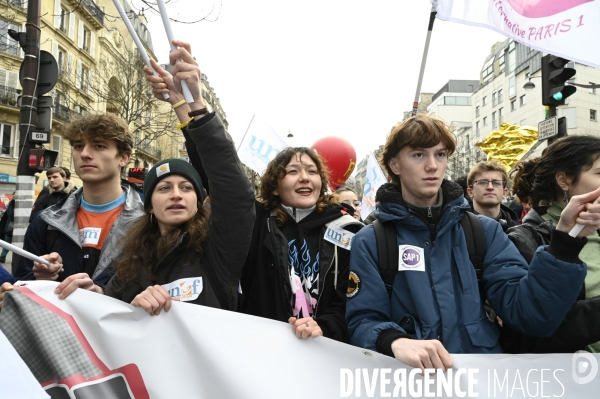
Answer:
(423, 61)
(27, 121)
(550, 112)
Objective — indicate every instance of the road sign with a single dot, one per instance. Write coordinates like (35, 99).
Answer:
(547, 128)
(39, 137)
(47, 75)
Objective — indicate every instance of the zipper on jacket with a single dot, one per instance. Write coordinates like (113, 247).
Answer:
(321, 291)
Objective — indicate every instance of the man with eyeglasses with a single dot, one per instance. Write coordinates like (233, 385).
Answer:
(486, 185)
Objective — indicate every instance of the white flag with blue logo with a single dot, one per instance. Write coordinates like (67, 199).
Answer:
(260, 145)
(375, 178)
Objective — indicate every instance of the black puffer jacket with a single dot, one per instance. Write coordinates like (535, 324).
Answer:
(580, 327)
(265, 277)
(230, 228)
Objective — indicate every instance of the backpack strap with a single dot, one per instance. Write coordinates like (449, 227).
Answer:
(387, 251)
(475, 237)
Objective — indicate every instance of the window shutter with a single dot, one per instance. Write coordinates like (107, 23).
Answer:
(21, 51)
(80, 34)
(72, 26)
(57, 14)
(78, 75)
(56, 146)
(55, 50)
(68, 67)
(16, 149)
(13, 80)
(92, 44)
(91, 80)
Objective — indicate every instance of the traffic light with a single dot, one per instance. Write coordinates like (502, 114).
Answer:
(554, 78)
(41, 159)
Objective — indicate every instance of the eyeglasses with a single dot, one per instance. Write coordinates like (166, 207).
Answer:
(356, 203)
(486, 182)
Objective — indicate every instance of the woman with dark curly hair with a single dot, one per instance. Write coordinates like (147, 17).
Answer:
(568, 167)
(294, 273)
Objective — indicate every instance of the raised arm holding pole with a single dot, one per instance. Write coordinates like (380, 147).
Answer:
(136, 39)
(165, 18)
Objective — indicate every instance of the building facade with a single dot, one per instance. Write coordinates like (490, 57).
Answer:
(99, 71)
(452, 102)
(502, 98)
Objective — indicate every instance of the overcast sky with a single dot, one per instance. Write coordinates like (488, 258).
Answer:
(320, 68)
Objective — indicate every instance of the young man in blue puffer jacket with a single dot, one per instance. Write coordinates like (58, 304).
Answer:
(435, 307)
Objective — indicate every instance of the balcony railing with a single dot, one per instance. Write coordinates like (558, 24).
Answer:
(91, 8)
(8, 96)
(147, 148)
(63, 112)
(18, 3)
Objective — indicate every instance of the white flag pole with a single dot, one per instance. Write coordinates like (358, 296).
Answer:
(243, 138)
(424, 59)
(136, 39)
(165, 18)
(23, 253)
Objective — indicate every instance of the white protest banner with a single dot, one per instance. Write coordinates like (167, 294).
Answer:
(16, 381)
(260, 145)
(375, 178)
(92, 346)
(566, 28)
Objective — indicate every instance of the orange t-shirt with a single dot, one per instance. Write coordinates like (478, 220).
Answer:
(95, 223)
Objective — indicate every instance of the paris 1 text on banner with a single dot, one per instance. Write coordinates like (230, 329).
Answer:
(566, 28)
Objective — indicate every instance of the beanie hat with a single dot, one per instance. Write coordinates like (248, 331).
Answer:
(168, 167)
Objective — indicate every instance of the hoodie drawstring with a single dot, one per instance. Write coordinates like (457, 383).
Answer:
(336, 266)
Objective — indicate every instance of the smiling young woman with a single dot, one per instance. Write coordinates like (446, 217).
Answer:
(292, 273)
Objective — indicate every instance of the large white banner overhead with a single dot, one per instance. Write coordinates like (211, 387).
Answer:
(566, 28)
(260, 145)
(92, 346)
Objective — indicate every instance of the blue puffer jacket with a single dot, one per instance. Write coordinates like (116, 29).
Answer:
(443, 302)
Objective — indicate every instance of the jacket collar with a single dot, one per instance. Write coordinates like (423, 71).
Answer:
(67, 189)
(63, 217)
(392, 206)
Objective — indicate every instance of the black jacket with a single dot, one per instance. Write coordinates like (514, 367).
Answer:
(507, 217)
(265, 277)
(48, 197)
(230, 226)
(580, 327)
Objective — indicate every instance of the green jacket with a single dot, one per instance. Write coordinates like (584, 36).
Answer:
(590, 254)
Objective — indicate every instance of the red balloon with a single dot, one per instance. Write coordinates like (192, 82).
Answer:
(340, 157)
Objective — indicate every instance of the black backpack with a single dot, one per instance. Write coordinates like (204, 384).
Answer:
(387, 248)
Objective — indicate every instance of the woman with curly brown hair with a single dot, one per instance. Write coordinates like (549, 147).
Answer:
(568, 167)
(293, 273)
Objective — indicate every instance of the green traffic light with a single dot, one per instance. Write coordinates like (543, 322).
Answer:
(558, 96)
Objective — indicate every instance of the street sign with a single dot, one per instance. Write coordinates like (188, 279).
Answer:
(547, 128)
(39, 137)
(47, 75)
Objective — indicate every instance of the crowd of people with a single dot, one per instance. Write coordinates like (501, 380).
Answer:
(463, 272)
